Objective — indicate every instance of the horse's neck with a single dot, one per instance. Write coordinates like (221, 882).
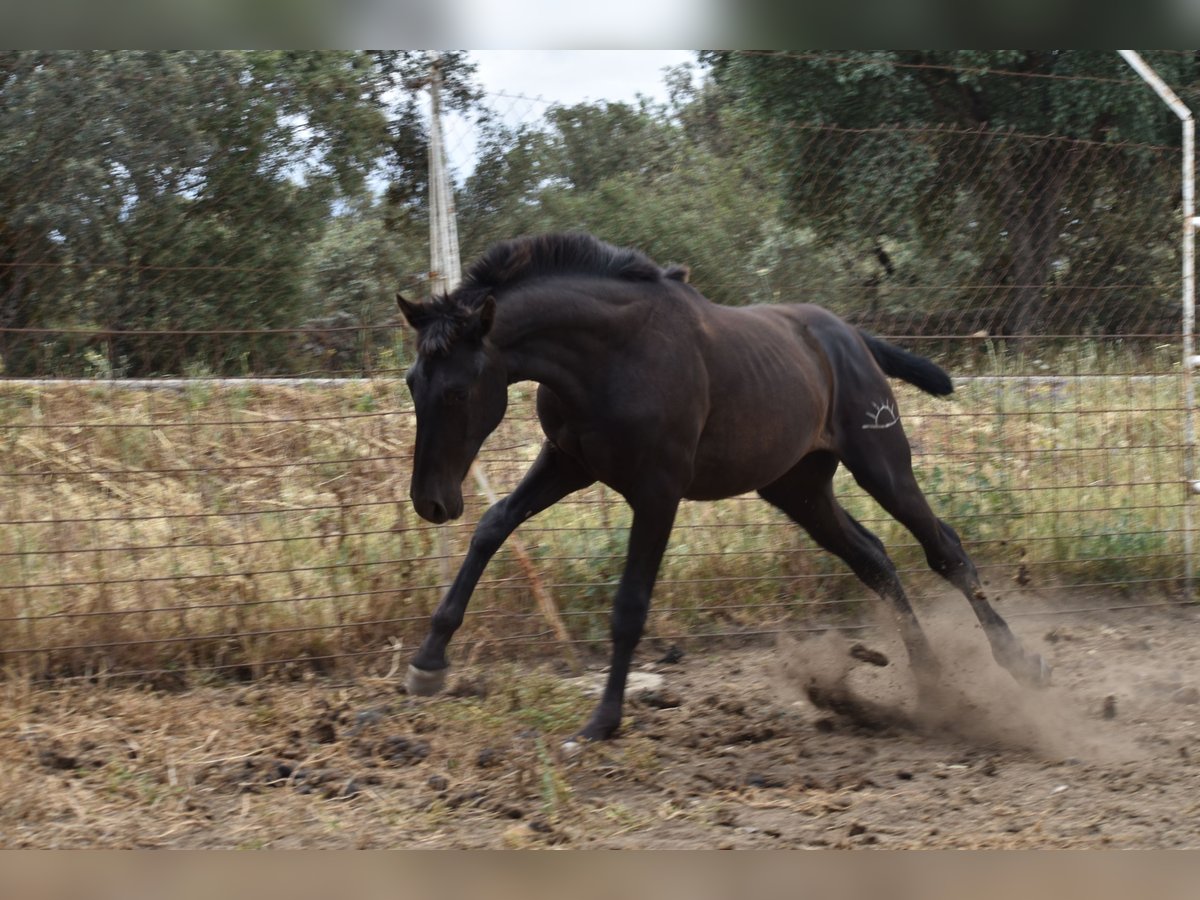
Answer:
(560, 340)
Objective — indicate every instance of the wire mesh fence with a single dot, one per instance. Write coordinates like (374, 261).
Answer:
(207, 441)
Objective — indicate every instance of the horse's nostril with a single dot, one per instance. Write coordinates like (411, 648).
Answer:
(430, 510)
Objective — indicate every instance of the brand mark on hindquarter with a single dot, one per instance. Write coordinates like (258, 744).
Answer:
(883, 415)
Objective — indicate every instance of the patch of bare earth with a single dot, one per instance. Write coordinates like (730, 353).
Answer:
(728, 751)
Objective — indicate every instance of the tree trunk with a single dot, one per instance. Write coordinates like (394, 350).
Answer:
(1029, 195)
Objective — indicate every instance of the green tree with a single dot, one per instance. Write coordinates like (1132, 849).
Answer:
(185, 191)
(631, 174)
(959, 157)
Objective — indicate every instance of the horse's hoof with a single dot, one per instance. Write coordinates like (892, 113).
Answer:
(1034, 671)
(574, 746)
(424, 682)
(596, 732)
(1042, 673)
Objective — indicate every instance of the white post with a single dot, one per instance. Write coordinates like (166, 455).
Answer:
(445, 265)
(444, 276)
(443, 225)
(1190, 360)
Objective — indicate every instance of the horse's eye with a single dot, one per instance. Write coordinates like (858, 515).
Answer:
(455, 395)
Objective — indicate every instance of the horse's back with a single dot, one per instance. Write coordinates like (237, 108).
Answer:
(841, 345)
(792, 341)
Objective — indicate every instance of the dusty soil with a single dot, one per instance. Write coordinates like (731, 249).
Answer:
(727, 751)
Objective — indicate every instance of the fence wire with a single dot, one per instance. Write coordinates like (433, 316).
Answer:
(207, 442)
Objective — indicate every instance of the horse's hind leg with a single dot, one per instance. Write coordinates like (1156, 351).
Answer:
(883, 467)
(551, 477)
(805, 494)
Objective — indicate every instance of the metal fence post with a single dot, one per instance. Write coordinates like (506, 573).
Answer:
(445, 276)
(1190, 360)
(445, 266)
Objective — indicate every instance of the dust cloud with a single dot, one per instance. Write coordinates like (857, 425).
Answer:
(975, 701)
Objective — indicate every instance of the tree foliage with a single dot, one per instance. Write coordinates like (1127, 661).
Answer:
(185, 190)
(987, 162)
(228, 195)
(633, 174)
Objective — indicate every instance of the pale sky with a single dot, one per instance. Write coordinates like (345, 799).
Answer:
(573, 76)
(557, 76)
(628, 24)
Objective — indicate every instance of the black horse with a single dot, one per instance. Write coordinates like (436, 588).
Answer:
(650, 388)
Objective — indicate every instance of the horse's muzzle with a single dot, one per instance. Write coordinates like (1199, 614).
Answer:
(436, 511)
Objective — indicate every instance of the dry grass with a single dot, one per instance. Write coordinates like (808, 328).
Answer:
(240, 529)
(291, 765)
(724, 753)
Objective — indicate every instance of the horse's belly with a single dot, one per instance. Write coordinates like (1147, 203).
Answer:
(741, 460)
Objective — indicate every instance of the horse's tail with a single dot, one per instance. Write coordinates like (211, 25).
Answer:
(916, 370)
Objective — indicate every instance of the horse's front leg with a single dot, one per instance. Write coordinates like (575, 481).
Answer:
(648, 536)
(551, 477)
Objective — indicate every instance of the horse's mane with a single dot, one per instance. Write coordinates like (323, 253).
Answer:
(510, 263)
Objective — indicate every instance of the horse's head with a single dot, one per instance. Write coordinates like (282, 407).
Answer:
(459, 388)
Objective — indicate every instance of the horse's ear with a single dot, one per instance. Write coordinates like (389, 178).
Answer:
(487, 314)
(414, 313)
(678, 273)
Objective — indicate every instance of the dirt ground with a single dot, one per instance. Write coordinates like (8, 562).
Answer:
(726, 751)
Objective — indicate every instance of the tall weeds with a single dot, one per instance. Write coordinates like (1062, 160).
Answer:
(234, 530)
